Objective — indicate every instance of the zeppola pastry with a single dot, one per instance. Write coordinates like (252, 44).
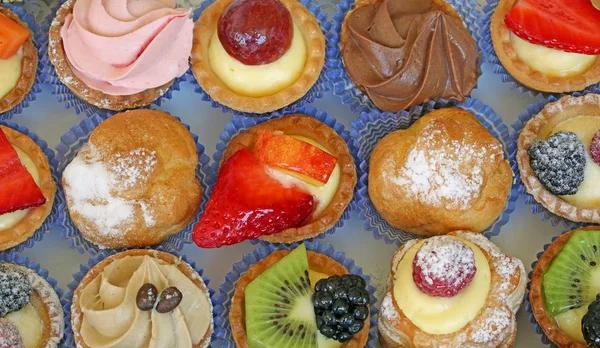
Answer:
(559, 157)
(319, 304)
(284, 180)
(18, 60)
(457, 290)
(565, 289)
(254, 65)
(31, 315)
(120, 55)
(27, 190)
(445, 172)
(404, 53)
(134, 182)
(142, 298)
(548, 45)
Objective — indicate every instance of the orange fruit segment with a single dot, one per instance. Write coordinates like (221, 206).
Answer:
(12, 37)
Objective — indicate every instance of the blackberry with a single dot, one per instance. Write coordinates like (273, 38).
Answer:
(15, 290)
(590, 324)
(558, 162)
(341, 306)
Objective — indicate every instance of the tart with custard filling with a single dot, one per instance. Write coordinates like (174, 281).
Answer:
(254, 65)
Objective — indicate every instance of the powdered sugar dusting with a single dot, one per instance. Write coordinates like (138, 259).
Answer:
(134, 168)
(494, 324)
(445, 259)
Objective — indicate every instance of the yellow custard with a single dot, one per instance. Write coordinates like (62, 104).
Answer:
(549, 61)
(588, 193)
(258, 80)
(439, 315)
(322, 194)
(10, 72)
(29, 323)
(9, 220)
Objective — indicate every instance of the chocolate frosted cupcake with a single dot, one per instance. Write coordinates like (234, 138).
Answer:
(404, 53)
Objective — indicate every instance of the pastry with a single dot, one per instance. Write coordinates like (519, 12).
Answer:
(18, 60)
(133, 184)
(557, 154)
(277, 62)
(565, 288)
(142, 298)
(302, 311)
(31, 314)
(404, 53)
(27, 190)
(548, 45)
(120, 55)
(284, 180)
(457, 290)
(445, 172)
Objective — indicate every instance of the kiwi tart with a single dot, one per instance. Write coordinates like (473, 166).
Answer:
(300, 298)
(565, 289)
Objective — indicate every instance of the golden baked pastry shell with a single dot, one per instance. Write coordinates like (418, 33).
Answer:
(316, 262)
(207, 79)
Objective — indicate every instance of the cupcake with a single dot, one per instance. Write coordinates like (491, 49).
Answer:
(141, 298)
(18, 60)
(257, 66)
(119, 57)
(283, 180)
(133, 183)
(405, 53)
(548, 46)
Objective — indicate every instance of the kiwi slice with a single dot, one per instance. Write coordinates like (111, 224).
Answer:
(573, 278)
(279, 310)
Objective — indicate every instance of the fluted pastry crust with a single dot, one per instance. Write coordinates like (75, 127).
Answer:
(522, 71)
(539, 127)
(494, 326)
(29, 63)
(315, 45)
(35, 216)
(186, 269)
(316, 262)
(311, 128)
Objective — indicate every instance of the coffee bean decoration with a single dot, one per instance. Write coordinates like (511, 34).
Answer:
(169, 300)
(146, 297)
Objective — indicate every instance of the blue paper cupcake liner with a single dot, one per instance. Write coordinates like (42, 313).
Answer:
(36, 88)
(316, 91)
(241, 123)
(371, 127)
(52, 160)
(227, 289)
(62, 92)
(484, 40)
(14, 258)
(342, 84)
(69, 146)
(524, 117)
(95, 259)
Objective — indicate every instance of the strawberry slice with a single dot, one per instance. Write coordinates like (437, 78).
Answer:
(18, 190)
(567, 25)
(247, 203)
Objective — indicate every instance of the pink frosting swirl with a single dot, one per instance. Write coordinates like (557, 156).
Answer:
(123, 47)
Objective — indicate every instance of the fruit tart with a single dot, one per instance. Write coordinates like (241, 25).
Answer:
(315, 303)
(18, 60)
(120, 54)
(558, 153)
(284, 180)
(565, 289)
(457, 290)
(133, 183)
(548, 45)
(27, 188)
(404, 53)
(31, 315)
(257, 66)
(445, 172)
(142, 298)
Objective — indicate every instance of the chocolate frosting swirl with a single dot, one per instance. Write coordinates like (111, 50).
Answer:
(406, 52)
